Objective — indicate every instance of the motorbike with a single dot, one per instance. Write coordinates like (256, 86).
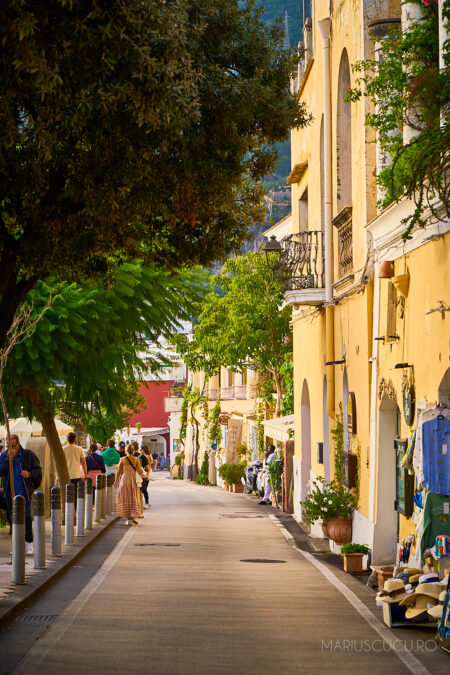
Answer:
(250, 480)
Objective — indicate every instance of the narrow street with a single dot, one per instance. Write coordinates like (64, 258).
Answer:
(177, 594)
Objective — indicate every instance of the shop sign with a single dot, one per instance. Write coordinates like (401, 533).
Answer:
(408, 403)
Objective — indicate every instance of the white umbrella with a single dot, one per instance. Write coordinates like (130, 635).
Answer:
(22, 425)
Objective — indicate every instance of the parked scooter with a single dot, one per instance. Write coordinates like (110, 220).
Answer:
(250, 479)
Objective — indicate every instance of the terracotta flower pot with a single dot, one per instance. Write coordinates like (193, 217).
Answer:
(386, 270)
(238, 487)
(339, 529)
(353, 562)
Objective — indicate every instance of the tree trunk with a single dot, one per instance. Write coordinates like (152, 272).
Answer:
(51, 433)
(277, 379)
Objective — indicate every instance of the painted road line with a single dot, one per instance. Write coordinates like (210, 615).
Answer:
(396, 646)
(37, 654)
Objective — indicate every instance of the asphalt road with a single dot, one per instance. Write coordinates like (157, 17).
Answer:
(187, 591)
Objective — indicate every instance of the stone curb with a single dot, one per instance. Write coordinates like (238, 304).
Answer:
(21, 596)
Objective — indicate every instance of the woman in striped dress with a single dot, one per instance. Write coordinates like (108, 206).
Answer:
(129, 494)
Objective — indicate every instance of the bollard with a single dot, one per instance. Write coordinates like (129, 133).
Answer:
(80, 509)
(108, 495)
(103, 495)
(112, 493)
(88, 505)
(39, 530)
(56, 521)
(98, 499)
(70, 499)
(18, 540)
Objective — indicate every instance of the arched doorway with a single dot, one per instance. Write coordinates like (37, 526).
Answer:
(343, 137)
(305, 465)
(386, 523)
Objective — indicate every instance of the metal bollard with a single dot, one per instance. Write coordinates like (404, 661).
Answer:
(56, 520)
(80, 509)
(18, 540)
(112, 493)
(108, 495)
(39, 530)
(70, 499)
(88, 505)
(98, 499)
(103, 495)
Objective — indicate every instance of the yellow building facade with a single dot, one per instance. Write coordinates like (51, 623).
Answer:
(351, 328)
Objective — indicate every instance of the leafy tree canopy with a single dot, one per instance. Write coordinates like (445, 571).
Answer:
(408, 89)
(90, 347)
(133, 130)
(241, 322)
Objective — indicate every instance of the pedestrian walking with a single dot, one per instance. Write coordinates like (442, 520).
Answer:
(145, 467)
(27, 474)
(155, 458)
(95, 466)
(128, 494)
(121, 450)
(148, 469)
(111, 458)
(76, 461)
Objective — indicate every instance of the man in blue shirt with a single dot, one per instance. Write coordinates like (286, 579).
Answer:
(27, 475)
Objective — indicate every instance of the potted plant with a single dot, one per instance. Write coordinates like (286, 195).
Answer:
(333, 504)
(353, 556)
(232, 474)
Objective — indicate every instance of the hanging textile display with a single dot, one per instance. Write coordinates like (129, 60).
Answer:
(431, 460)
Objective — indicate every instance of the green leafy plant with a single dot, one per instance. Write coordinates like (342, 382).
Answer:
(215, 432)
(337, 434)
(203, 475)
(232, 473)
(179, 459)
(287, 372)
(407, 88)
(355, 548)
(327, 500)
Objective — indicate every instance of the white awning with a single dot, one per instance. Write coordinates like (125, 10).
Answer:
(279, 428)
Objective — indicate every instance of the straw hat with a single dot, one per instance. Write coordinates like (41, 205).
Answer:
(393, 591)
(420, 607)
(423, 578)
(436, 612)
(428, 590)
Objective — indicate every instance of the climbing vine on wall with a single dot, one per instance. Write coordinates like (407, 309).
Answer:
(337, 434)
(215, 432)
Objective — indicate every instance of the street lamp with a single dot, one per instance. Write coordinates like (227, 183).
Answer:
(272, 246)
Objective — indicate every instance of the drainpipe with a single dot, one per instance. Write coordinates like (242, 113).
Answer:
(324, 27)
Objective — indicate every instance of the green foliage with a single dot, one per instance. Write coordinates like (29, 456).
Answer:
(86, 354)
(240, 323)
(232, 473)
(275, 470)
(408, 89)
(203, 475)
(337, 434)
(214, 431)
(179, 459)
(260, 416)
(184, 413)
(133, 130)
(355, 548)
(287, 373)
(327, 500)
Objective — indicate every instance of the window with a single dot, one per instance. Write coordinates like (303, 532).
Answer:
(303, 212)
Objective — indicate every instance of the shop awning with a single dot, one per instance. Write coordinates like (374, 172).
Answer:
(279, 428)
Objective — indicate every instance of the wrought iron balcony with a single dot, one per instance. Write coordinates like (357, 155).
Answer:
(302, 267)
(343, 223)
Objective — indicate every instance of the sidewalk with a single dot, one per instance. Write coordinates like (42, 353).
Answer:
(12, 597)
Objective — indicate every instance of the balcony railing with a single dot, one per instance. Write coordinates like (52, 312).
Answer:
(213, 394)
(343, 224)
(227, 393)
(302, 263)
(240, 391)
(252, 390)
